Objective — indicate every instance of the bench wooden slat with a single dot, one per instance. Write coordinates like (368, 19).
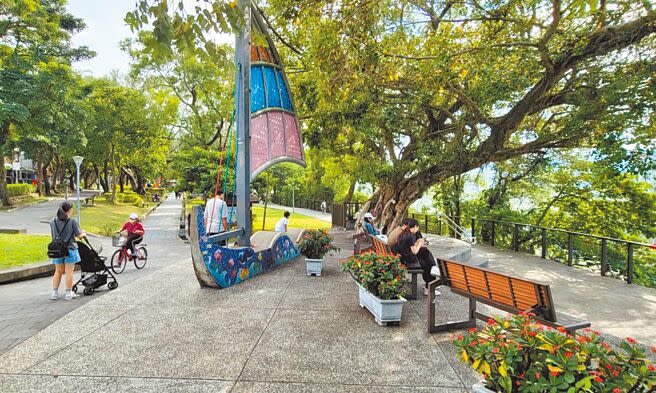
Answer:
(504, 292)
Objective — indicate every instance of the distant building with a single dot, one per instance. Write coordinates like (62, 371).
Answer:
(19, 169)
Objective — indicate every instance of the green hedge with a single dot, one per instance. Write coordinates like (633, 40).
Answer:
(19, 189)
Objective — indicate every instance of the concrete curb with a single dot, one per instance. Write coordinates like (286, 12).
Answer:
(26, 272)
(19, 208)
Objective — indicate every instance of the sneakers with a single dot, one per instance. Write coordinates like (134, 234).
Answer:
(70, 295)
(54, 295)
(437, 293)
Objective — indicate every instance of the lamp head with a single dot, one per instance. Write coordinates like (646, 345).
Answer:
(78, 160)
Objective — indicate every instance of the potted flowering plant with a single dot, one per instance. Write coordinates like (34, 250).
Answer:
(381, 280)
(315, 244)
(518, 354)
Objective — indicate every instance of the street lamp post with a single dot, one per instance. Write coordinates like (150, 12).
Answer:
(78, 162)
(293, 198)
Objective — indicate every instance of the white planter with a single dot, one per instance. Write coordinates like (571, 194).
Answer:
(384, 311)
(479, 387)
(313, 266)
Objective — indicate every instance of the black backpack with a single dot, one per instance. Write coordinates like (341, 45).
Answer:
(58, 248)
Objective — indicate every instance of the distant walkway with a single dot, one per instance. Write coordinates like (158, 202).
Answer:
(611, 305)
(25, 308)
(31, 217)
(327, 217)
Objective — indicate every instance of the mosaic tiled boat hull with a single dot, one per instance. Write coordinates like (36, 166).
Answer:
(223, 267)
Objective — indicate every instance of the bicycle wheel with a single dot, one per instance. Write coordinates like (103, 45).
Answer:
(142, 258)
(118, 261)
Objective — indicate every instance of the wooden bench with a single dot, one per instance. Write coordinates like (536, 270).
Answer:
(504, 292)
(90, 200)
(380, 247)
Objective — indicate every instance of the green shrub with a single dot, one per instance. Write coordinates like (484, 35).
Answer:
(19, 189)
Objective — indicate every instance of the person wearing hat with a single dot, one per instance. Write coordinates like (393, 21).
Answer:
(66, 229)
(134, 233)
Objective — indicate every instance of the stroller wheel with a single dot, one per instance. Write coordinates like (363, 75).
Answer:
(88, 290)
(112, 285)
(74, 288)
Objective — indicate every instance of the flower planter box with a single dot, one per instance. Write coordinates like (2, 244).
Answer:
(479, 387)
(384, 311)
(313, 266)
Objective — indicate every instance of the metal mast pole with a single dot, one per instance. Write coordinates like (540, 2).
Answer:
(243, 53)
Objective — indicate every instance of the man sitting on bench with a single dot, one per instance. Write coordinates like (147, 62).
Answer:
(408, 242)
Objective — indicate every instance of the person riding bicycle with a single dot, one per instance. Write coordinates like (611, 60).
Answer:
(133, 231)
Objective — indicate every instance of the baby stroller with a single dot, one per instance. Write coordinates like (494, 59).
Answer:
(94, 271)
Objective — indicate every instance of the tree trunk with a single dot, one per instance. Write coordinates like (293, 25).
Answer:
(46, 179)
(351, 191)
(113, 169)
(105, 181)
(393, 200)
(121, 180)
(141, 184)
(4, 194)
(133, 183)
(4, 137)
(266, 202)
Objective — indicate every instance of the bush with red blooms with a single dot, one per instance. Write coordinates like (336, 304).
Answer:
(316, 243)
(383, 276)
(518, 354)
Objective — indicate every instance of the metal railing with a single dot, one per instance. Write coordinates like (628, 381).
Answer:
(624, 259)
(610, 256)
(460, 231)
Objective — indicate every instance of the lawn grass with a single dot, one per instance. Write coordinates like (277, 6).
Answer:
(295, 220)
(20, 249)
(105, 218)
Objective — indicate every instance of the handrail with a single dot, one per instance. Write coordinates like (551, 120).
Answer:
(458, 229)
(564, 231)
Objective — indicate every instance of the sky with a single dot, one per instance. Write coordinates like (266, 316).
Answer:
(105, 29)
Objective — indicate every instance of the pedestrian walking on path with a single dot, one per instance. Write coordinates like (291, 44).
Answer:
(63, 249)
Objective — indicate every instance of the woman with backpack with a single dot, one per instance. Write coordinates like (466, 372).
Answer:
(63, 249)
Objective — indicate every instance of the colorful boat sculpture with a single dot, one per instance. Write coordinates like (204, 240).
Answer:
(274, 138)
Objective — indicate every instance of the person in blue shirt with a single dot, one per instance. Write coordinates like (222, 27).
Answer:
(368, 224)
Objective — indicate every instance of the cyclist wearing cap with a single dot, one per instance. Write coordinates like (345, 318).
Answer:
(135, 232)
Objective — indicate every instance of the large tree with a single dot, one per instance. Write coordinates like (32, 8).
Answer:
(34, 38)
(433, 89)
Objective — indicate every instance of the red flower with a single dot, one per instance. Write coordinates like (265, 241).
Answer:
(473, 344)
(617, 390)
(459, 337)
(517, 383)
(568, 354)
(532, 333)
(472, 330)
(495, 350)
(521, 375)
(616, 373)
(651, 367)
(491, 321)
(562, 329)
(632, 341)
(653, 349)
(553, 373)
(598, 379)
(537, 375)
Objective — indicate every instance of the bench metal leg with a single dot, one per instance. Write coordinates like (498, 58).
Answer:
(430, 321)
(413, 288)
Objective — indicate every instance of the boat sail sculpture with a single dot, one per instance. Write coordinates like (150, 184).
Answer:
(268, 133)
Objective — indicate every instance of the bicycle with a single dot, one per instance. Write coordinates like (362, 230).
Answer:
(121, 256)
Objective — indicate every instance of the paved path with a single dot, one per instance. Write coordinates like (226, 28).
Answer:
(31, 217)
(25, 308)
(282, 331)
(611, 305)
(306, 212)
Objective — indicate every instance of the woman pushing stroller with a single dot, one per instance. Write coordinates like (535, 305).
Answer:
(63, 249)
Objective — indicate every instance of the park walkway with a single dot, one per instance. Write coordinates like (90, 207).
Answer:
(25, 308)
(327, 217)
